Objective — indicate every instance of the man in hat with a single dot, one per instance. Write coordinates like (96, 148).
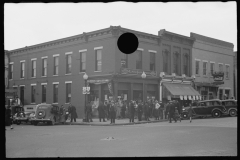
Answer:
(171, 111)
(140, 110)
(131, 111)
(161, 109)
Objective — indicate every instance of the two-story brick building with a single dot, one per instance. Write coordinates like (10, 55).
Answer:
(210, 55)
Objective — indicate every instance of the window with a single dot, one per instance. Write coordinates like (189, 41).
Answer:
(68, 92)
(11, 71)
(68, 63)
(33, 94)
(227, 91)
(185, 64)
(22, 69)
(212, 67)
(34, 68)
(82, 61)
(56, 62)
(227, 71)
(124, 61)
(220, 67)
(165, 61)
(44, 93)
(220, 94)
(44, 67)
(139, 60)
(204, 68)
(176, 67)
(152, 61)
(98, 60)
(197, 67)
(55, 93)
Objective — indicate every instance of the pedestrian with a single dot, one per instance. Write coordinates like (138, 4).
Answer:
(118, 105)
(135, 107)
(89, 112)
(131, 111)
(113, 110)
(190, 110)
(106, 109)
(166, 110)
(179, 107)
(146, 111)
(150, 108)
(156, 110)
(161, 109)
(171, 111)
(9, 117)
(123, 109)
(140, 110)
(73, 113)
(101, 112)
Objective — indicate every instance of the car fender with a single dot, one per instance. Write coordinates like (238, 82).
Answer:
(217, 109)
(231, 109)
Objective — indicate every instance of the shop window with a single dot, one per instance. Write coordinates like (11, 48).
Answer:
(212, 65)
(68, 93)
(22, 70)
(197, 62)
(220, 67)
(68, 63)
(227, 94)
(55, 93)
(176, 66)
(34, 68)
(44, 67)
(220, 94)
(44, 93)
(204, 68)
(165, 60)
(227, 71)
(185, 64)
(33, 94)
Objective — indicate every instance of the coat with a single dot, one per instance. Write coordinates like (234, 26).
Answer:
(131, 109)
(140, 108)
(101, 111)
(190, 110)
(73, 112)
(171, 108)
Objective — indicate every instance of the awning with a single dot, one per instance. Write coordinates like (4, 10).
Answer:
(177, 89)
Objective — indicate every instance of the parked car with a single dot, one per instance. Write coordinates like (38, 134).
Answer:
(25, 115)
(48, 113)
(205, 108)
(231, 107)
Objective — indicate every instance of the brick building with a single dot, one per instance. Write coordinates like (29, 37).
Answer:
(211, 56)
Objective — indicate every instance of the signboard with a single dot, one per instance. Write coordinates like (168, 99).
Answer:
(137, 72)
(218, 76)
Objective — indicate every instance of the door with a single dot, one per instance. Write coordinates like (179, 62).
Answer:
(22, 95)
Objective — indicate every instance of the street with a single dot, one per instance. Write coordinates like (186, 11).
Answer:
(202, 137)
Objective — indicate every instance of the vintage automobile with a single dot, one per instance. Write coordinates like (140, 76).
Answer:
(16, 111)
(205, 108)
(48, 113)
(231, 107)
(25, 115)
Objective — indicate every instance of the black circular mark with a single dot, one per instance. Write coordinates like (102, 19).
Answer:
(127, 43)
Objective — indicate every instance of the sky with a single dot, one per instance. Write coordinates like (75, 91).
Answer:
(27, 24)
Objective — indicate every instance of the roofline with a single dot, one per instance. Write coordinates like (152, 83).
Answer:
(179, 35)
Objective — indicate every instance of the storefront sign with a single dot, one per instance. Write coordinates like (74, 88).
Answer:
(218, 82)
(137, 72)
(100, 81)
(218, 76)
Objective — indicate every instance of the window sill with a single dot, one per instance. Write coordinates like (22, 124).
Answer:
(54, 103)
(97, 71)
(33, 77)
(68, 74)
(44, 76)
(55, 75)
(81, 72)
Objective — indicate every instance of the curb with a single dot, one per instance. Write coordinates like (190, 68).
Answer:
(116, 124)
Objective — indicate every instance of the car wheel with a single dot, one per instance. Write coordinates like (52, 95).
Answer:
(216, 114)
(184, 116)
(232, 113)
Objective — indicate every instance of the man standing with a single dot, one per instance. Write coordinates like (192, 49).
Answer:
(171, 111)
(146, 111)
(123, 110)
(156, 110)
(140, 110)
(131, 111)
(113, 110)
(73, 113)
(89, 112)
(161, 109)
(9, 117)
(101, 112)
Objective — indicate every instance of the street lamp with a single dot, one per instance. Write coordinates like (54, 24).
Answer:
(143, 77)
(85, 89)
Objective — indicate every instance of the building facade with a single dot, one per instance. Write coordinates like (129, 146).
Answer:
(213, 58)
(235, 75)
(53, 72)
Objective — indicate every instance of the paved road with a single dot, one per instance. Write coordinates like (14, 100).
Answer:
(202, 137)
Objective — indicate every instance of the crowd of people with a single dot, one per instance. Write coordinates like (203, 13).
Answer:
(135, 109)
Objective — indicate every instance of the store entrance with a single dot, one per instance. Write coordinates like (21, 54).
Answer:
(137, 95)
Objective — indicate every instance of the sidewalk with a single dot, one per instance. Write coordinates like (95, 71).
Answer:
(117, 122)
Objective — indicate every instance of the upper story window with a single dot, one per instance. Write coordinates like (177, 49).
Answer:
(55, 92)
(152, 61)
(197, 69)
(34, 67)
(55, 64)
(165, 60)
(83, 61)
(44, 66)
(139, 59)
(204, 68)
(220, 67)
(124, 61)
(44, 92)
(227, 71)
(33, 93)
(212, 67)
(68, 62)
(186, 64)
(176, 63)
(98, 59)
(22, 69)
(11, 70)
(68, 91)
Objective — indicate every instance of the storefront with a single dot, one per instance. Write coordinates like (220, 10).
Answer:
(178, 88)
